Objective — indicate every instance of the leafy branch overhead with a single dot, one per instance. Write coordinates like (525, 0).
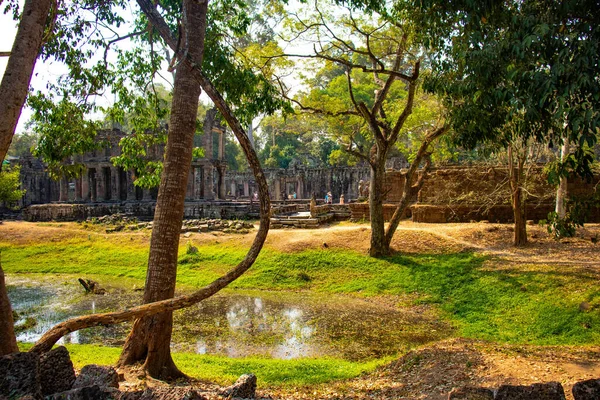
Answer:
(106, 55)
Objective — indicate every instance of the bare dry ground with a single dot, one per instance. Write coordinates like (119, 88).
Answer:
(429, 372)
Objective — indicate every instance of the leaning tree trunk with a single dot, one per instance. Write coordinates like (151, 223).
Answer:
(150, 338)
(518, 204)
(378, 247)
(8, 341)
(13, 91)
(15, 82)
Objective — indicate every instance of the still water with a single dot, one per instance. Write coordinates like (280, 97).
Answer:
(275, 324)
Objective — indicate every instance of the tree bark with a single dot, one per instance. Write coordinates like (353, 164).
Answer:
(518, 203)
(8, 341)
(561, 191)
(378, 246)
(15, 82)
(150, 338)
(13, 91)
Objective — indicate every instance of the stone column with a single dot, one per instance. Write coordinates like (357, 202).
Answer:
(64, 190)
(197, 183)
(78, 189)
(115, 183)
(278, 189)
(233, 188)
(189, 193)
(100, 184)
(246, 189)
(130, 186)
(222, 193)
(93, 182)
(300, 188)
(209, 190)
(85, 185)
(147, 196)
(221, 145)
(209, 121)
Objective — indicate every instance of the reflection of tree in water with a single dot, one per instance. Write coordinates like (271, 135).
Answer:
(239, 325)
(235, 325)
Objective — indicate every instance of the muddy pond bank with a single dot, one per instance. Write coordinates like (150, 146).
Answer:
(280, 325)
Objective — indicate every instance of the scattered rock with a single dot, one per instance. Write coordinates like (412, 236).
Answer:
(56, 371)
(587, 390)
(93, 392)
(244, 387)
(164, 393)
(102, 376)
(471, 393)
(20, 375)
(538, 391)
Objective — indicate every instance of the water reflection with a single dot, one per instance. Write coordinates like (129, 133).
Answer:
(269, 325)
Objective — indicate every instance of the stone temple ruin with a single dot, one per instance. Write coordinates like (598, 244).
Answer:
(457, 193)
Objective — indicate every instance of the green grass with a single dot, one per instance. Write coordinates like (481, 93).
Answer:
(522, 304)
(224, 370)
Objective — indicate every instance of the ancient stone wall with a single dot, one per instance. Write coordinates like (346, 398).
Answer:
(141, 210)
(463, 194)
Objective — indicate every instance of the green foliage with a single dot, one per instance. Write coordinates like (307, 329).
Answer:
(22, 144)
(578, 210)
(532, 63)
(86, 29)
(562, 227)
(64, 131)
(10, 185)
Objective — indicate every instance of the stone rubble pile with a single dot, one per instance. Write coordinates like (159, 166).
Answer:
(119, 222)
(584, 390)
(206, 225)
(29, 376)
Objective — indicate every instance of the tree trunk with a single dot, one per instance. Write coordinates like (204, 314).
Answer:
(13, 91)
(378, 247)
(561, 191)
(15, 82)
(8, 341)
(150, 338)
(518, 204)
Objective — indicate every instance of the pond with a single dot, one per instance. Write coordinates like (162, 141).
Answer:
(281, 325)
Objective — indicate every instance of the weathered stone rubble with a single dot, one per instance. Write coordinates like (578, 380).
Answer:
(120, 222)
(28, 376)
(585, 390)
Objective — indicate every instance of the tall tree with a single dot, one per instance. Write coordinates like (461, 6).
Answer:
(514, 70)
(13, 91)
(370, 93)
(150, 338)
(21, 63)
